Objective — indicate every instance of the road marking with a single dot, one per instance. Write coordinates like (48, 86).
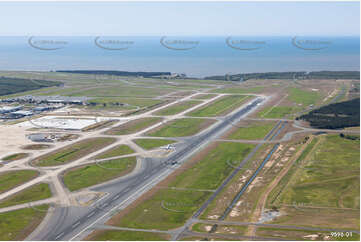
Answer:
(116, 197)
(97, 201)
(126, 190)
(91, 214)
(104, 215)
(103, 205)
(59, 235)
(76, 224)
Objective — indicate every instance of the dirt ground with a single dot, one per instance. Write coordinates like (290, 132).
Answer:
(12, 137)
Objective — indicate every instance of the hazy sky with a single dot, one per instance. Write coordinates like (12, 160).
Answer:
(179, 18)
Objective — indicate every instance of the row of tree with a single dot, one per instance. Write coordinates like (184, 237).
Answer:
(290, 75)
(335, 116)
(116, 73)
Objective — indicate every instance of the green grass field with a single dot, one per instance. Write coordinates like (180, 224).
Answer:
(328, 176)
(118, 235)
(73, 152)
(150, 214)
(122, 91)
(18, 224)
(275, 112)
(33, 193)
(149, 144)
(213, 168)
(116, 151)
(177, 108)
(16, 156)
(133, 126)
(93, 174)
(204, 96)
(252, 132)
(133, 103)
(219, 107)
(303, 97)
(181, 127)
(239, 90)
(11, 179)
(10, 85)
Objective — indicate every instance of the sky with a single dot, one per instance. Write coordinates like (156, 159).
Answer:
(180, 18)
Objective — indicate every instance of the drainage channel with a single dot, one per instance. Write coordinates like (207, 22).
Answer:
(250, 180)
(229, 178)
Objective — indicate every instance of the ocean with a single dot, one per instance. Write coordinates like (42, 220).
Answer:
(191, 55)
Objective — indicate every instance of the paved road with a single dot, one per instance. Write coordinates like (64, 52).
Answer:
(73, 223)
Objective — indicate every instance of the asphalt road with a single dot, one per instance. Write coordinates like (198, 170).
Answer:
(74, 223)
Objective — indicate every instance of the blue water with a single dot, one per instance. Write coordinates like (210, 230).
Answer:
(194, 56)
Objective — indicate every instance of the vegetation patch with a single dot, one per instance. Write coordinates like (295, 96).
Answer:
(214, 167)
(252, 132)
(325, 178)
(166, 209)
(116, 151)
(276, 112)
(177, 108)
(133, 126)
(36, 147)
(89, 175)
(149, 144)
(99, 125)
(303, 97)
(9, 85)
(329, 177)
(122, 91)
(335, 116)
(73, 152)
(239, 90)
(181, 127)
(11, 179)
(204, 96)
(34, 193)
(18, 224)
(119, 235)
(220, 106)
(16, 156)
(116, 103)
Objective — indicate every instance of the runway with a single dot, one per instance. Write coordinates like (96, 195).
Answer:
(75, 223)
